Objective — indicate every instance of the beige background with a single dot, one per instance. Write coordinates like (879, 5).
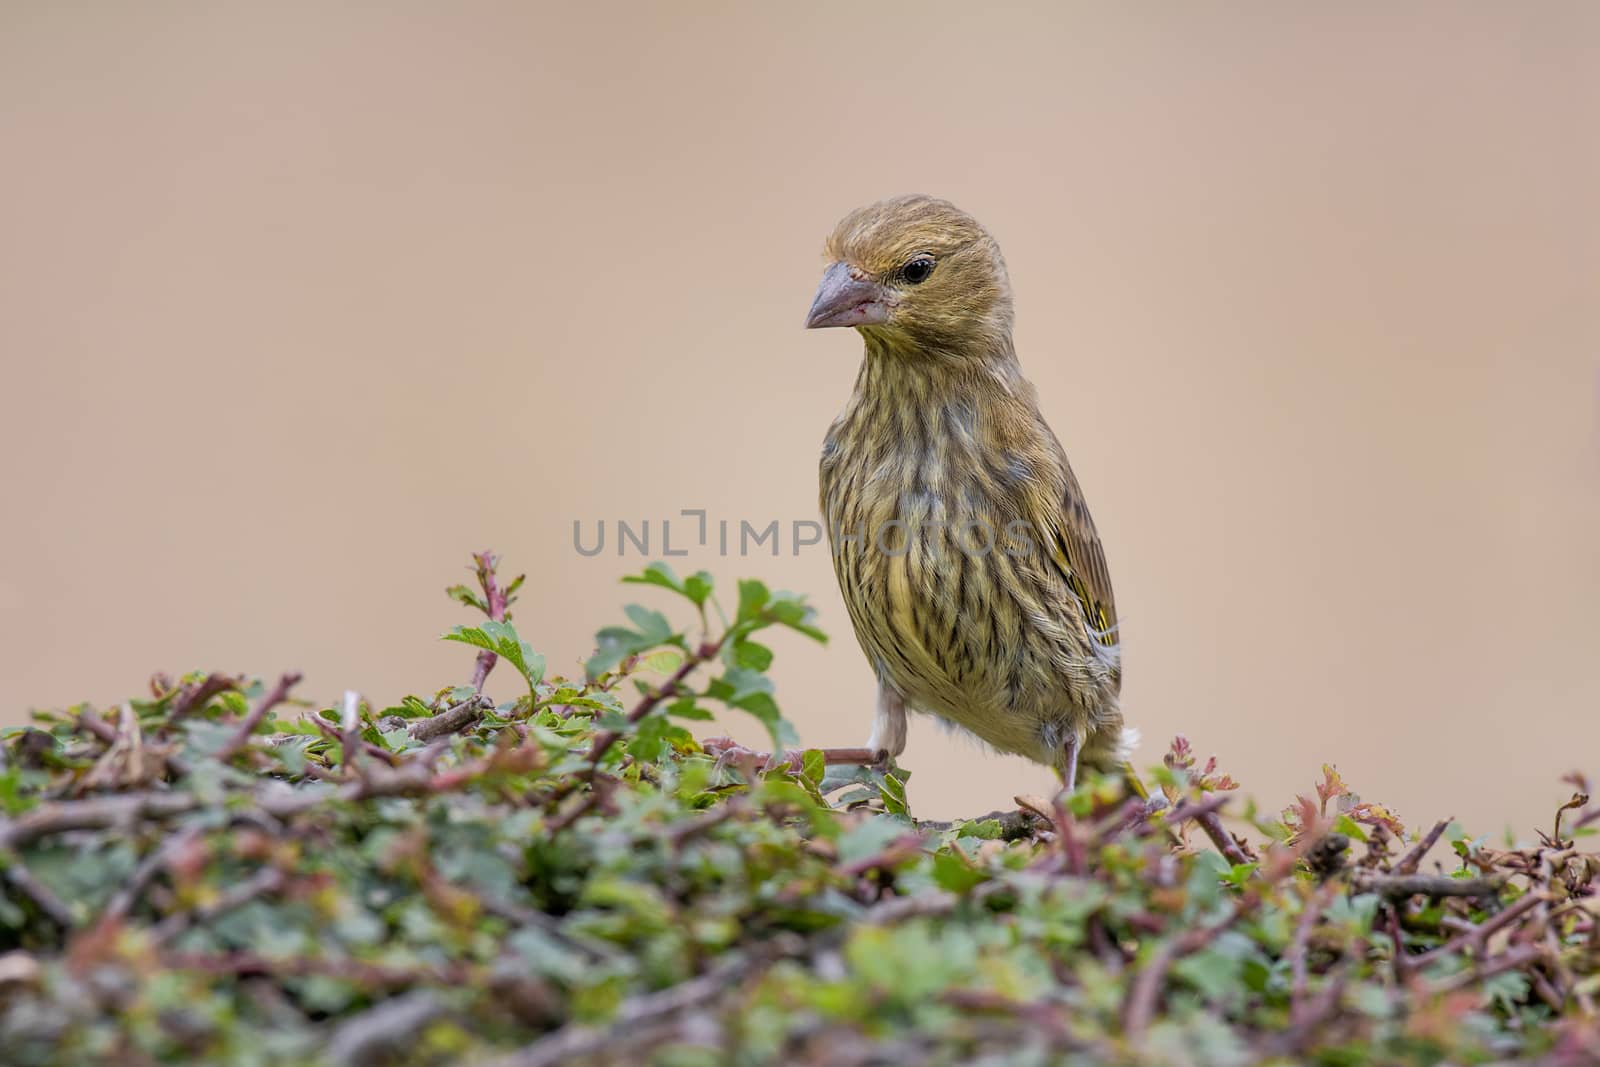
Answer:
(301, 303)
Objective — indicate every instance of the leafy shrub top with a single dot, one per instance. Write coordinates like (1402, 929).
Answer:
(567, 875)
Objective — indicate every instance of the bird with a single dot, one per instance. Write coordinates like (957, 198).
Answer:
(971, 569)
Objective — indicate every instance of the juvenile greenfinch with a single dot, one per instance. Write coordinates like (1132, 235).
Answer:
(973, 575)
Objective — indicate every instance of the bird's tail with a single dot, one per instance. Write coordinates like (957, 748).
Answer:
(1131, 779)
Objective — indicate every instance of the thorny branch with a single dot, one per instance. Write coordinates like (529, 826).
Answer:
(495, 600)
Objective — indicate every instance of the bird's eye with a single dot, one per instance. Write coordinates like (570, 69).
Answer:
(917, 269)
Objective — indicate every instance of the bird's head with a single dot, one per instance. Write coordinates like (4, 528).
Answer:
(916, 274)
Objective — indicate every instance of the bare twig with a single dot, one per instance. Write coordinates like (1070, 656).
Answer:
(451, 719)
(1396, 886)
(247, 726)
(265, 881)
(1299, 967)
(1042, 1016)
(1513, 958)
(1140, 1005)
(199, 694)
(92, 813)
(1408, 863)
(23, 881)
(374, 1035)
(123, 900)
(1477, 937)
(917, 906)
(598, 787)
(1132, 813)
(550, 927)
(709, 819)
(893, 854)
(92, 723)
(1308, 1015)
(1204, 814)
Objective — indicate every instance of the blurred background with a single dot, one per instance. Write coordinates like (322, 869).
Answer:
(301, 303)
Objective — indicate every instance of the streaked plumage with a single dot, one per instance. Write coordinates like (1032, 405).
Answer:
(940, 441)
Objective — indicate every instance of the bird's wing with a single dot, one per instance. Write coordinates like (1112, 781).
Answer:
(1075, 550)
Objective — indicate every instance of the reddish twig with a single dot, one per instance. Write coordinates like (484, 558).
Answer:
(891, 855)
(1299, 944)
(595, 798)
(196, 696)
(1139, 1008)
(1204, 814)
(606, 738)
(247, 726)
(710, 819)
(1409, 862)
(1478, 936)
(495, 599)
(1310, 1014)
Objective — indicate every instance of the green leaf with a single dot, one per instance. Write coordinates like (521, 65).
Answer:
(893, 790)
(686, 708)
(750, 655)
(742, 683)
(501, 639)
(764, 708)
(791, 610)
(954, 873)
(868, 837)
(1344, 824)
(649, 738)
(697, 587)
(616, 643)
(753, 598)
(813, 766)
(468, 597)
(1215, 974)
(657, 573)
(983, 829)
(664, 661)
(653, 626)
(752, 692)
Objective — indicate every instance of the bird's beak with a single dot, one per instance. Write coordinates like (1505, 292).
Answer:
(843, 299)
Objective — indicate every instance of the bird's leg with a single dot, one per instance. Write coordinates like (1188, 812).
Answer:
(1069, 762)
(888, 738)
